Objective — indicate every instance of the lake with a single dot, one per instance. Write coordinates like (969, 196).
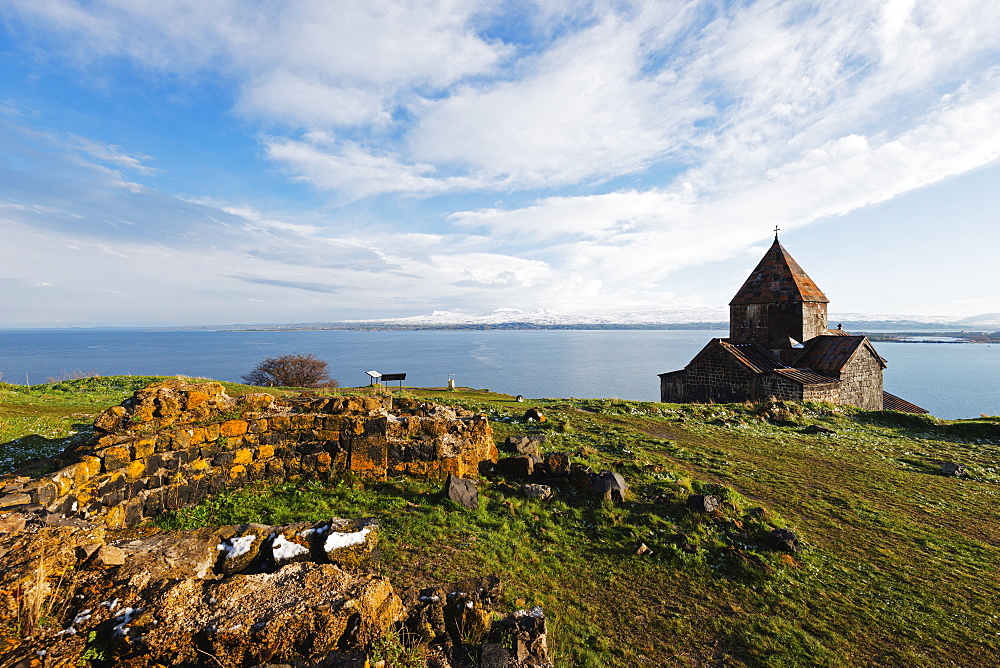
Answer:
(951, 380)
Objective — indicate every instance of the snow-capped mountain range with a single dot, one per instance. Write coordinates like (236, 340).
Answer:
(549, 318)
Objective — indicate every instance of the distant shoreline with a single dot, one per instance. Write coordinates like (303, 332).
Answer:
(877, 331)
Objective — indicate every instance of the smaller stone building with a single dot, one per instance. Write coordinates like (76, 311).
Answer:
(780, 347)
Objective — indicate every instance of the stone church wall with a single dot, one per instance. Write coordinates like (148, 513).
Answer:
(173, 444)
(776, 387)
(861, 381)
(673, 387)
(769, 323)
(718, 377)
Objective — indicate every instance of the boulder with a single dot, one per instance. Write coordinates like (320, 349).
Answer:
(539, 492)
(462, 491)
(580, 476)
(609, 486)
(293, 544)
(703, 503)
(517, 467)
(534, 415)
(557, 464)
(818, 429)
(452, 614)
(526, 445)
(517, 641)
(238, 551)
(106, 557)
(952, 469)
(351, 544)
(167, 605)
(784, 539)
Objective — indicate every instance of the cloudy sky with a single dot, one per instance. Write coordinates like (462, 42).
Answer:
(224, 161)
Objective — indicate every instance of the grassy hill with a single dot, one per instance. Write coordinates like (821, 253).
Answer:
(898, 566)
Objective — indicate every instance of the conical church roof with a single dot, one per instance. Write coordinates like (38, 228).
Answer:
(778, 278)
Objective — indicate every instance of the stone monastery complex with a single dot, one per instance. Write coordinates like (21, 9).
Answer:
(780, 347)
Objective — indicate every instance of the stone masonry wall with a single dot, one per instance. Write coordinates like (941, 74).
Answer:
(776, 387)
(719, 378)
(861, 380)
(173, 444)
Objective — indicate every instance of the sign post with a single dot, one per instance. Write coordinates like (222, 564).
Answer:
(394, 376)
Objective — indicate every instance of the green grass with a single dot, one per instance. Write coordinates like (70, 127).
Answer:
(898, 568)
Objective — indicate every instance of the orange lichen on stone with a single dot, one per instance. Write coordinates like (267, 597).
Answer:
(233, 428)
(194, 398)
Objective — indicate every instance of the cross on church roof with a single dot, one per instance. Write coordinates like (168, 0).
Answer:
(776, 228)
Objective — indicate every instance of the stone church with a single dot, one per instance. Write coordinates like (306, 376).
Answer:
(780, 347)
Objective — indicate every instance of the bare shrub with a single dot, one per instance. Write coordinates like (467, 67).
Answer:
(291, 371)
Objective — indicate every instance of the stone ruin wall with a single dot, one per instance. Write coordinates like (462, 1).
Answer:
(308, 594)
(173, 444)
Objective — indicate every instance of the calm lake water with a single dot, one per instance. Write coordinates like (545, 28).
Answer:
(951, 380)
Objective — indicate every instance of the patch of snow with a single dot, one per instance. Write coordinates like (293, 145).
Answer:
(535, 612)
(320, 530)
(337, 540)
(283, 549)
(237, 546)
(127, 615)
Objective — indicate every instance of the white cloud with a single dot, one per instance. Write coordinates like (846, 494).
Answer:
(356, 172)
(633, 240)
(647, 137)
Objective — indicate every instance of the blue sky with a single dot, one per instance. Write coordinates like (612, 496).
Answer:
(207, 162)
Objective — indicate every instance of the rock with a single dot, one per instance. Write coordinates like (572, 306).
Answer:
(518, 467)
(239, 551)
(818, 429)
(609, 486)
(703, 503)
(462, 491)
(540, 492)
(520, 640)
(453, 614)
(784, 539)
(85, 552)
(952, 469)
(494, 655)
(256, 401)
(300, 613)
(106, 557)
(12, 523)
(165, 604)
(580, 476)
(110, 420)
(292, 544)
(557, 464)
(525, 445)
(534, 415)
(351, 544)
(643, 549)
